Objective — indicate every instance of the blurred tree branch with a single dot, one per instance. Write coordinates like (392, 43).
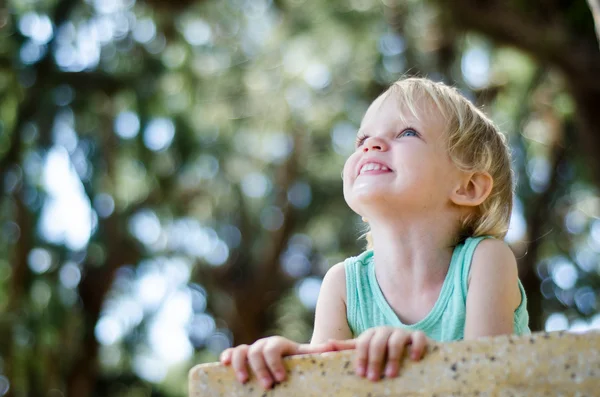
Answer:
(98, 279)
(256, 283)
(92, 81)
(547, 40)
(537, 223)
(43, 80)
(551, 42)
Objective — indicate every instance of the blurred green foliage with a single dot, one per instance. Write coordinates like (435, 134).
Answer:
(171, 170)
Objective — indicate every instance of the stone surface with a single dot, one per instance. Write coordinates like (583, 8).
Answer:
(543, 364)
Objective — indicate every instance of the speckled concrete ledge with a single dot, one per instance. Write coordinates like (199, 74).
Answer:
(543, 364)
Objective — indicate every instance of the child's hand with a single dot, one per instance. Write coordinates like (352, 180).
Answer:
(375, 344)
(265, 358)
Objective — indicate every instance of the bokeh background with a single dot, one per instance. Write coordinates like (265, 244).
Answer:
(170, 170)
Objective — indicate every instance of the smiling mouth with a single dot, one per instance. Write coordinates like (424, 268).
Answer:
(373, 169)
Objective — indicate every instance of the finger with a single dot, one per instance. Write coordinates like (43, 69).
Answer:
(418, 345)
(257, 362)
(377, 353)
(306, 348)
(395, 348)
(239, 357)
(226, 356)
(339, 345)
(362, 352)
(273, 353)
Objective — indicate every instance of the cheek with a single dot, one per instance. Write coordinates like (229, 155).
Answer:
(349, 166)
(347, 174)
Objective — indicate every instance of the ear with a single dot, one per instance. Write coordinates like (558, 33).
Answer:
(473, 189)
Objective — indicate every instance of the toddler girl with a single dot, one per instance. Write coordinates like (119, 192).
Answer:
(431, 176)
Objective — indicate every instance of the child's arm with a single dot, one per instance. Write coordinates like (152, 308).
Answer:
(493, 291)
(330, 315)
(264, 357)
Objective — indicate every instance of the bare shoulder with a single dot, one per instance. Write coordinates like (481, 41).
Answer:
(494, 262)
(330, 313)
(334, 282)
(337, 272)
(494, 249)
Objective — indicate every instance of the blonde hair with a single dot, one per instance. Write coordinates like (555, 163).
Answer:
(474, 144)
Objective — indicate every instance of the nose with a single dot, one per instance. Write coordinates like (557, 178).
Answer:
(374, 143)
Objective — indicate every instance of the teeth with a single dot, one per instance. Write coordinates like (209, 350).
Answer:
(373, 166)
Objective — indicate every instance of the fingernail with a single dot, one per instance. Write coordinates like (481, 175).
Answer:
(280, 376)
(388, 371)
(372, 375)
(360, 370)
(241, 377)
(266, 382)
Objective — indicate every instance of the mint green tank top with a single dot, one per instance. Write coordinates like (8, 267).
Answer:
(367, 307)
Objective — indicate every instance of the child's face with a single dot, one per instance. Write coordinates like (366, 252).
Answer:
(418, 176)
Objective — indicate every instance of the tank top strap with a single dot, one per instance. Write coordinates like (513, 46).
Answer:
(357, 291)
(464, 256)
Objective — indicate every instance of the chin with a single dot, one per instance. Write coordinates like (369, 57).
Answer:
(375, 189)
(366, 198)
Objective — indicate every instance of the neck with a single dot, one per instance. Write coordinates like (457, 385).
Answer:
(414, 253)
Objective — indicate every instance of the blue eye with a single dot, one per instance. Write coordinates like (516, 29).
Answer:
(409, 132)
